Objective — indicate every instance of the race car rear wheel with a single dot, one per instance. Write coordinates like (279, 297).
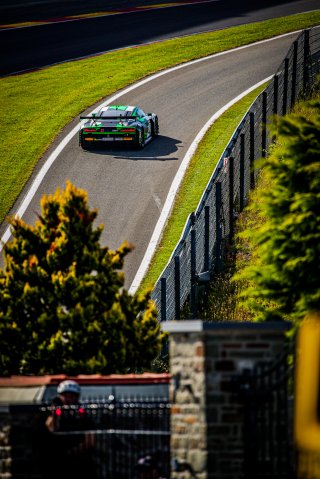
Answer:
(154, 128)
(84, 145)
(140, 139)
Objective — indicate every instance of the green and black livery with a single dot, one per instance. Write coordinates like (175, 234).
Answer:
(118, 123)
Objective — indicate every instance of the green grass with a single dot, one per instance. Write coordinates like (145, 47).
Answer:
(224, 302)
(36, 106)
(200, 168)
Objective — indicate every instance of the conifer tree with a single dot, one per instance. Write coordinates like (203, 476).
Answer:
(285, 280)
(63, 308)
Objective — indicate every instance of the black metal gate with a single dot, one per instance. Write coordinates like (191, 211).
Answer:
(124, 432)
(267, 397)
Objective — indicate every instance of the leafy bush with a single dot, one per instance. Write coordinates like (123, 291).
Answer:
(63, 308)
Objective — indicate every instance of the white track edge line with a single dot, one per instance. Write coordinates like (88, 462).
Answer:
(176, 184)
(41, 174)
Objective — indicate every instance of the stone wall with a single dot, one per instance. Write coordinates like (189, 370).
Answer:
(5, 448)
(207, 417)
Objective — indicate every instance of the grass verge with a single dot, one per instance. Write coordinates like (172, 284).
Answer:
(36, 106)
(200, 168)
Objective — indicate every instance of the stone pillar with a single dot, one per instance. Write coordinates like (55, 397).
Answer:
(187, 395)
(207, 419)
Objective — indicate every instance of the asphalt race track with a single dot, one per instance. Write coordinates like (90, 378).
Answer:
(34, 47)
(129, 187)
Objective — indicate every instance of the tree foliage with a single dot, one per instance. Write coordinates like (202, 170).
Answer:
(63, 308)
(284, 279)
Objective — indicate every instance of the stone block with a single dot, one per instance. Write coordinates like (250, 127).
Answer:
(212, 350)
(219, 430)
(214, 398)
(199, 349)
(184, 397)
(238, 345)
(258, 345)
(190, 419)
(212, 414)
(247, 354)
(275, 336)
(232, 417)
(225, 365)
(218, 336)
(197, 459)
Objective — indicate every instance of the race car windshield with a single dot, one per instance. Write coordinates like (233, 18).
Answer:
(117, 113)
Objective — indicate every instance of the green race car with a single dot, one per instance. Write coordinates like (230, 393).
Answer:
(118, 123)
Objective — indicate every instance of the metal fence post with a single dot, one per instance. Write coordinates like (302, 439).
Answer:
(275, 100)
(306, 52)
(275, 94)
(206, 237)
(285, 86)
(177, 286)
(264, 125)
(163, 299)
(193, 292)
(241, 179)
(294, 73)
(231, 195)
(252, 173)
(218, 265)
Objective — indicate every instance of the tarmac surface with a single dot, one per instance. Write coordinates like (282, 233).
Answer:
(35, 10)
(46, 32)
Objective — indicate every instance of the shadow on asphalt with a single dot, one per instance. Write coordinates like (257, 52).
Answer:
(35, 10)
(158, 149)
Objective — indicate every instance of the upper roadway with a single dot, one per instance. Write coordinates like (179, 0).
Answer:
(37, 46)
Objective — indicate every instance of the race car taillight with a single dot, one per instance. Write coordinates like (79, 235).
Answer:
(87, 130)
(128, 130)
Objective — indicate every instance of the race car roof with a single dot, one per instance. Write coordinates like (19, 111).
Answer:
(113, 109)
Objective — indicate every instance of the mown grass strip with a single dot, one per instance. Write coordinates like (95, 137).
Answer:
(36, 106)
(195, 181)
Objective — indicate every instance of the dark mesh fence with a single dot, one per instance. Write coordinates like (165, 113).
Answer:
(200, 250)
(96, 440)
